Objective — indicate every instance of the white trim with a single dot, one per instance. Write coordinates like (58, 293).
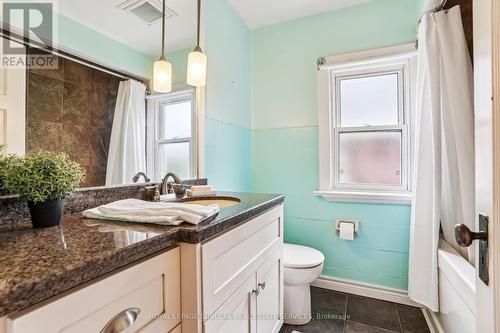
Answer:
(390, 198)
(400, 58)
(432, 321)
(364, 289)
(369, 56)
(495, 232)
(325, 131)
(154, 103)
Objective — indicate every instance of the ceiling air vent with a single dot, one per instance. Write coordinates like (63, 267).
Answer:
(149, 11)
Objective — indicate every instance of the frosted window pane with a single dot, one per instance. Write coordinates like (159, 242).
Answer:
(370, 158)
(175, 121)
(174, 157)
(369, 101)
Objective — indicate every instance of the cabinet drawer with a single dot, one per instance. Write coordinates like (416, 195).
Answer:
(151, 286)
(230, 259)
(148, 299)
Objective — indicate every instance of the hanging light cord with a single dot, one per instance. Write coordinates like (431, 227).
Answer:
(163, 25)
(198, 24)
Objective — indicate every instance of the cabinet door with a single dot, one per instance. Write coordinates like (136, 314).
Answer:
(230, 259)
(270, 299)
(237, 314)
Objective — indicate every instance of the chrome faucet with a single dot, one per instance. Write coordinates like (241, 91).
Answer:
(165, 186)
(135, 179)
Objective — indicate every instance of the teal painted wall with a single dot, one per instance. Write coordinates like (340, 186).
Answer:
(285, 138)
(228, 98)
(179, 60)
(96, 46)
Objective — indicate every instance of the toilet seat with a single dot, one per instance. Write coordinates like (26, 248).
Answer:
(301, 257)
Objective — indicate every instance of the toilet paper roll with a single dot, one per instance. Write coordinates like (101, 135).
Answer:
(346, 231)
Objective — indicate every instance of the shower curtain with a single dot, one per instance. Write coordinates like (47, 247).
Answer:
(127, 152)
(444, 151)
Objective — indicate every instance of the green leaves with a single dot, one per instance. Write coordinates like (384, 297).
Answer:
(6, 161)
(41, 176)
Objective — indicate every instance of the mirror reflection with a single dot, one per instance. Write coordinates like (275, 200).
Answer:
(95, 100)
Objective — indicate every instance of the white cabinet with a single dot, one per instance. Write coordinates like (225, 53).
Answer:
(237, 314)
(270, 297)
(256, 306)
(231, 283)
(243, 277)
(144, 298)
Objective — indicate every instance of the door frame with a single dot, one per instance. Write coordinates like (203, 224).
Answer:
(494, 229)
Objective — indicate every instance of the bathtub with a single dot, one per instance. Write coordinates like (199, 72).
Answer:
(456, 292)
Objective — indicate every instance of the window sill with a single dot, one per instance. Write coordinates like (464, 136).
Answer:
(367, 197)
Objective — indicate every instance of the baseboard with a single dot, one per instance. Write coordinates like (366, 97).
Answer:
(364, 289)
(433, 321)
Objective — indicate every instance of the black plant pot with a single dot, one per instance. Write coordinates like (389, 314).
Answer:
(46, 214)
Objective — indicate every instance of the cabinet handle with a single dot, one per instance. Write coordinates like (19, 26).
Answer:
(121, 321)
(256, 291)
(262, 285)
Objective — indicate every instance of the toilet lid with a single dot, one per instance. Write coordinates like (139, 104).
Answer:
(298, 256)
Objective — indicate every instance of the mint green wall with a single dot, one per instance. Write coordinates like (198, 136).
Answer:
(179, 60)
(228, 98)
(285, 138)
(96, 46)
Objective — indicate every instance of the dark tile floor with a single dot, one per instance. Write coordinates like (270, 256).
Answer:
(334, 312)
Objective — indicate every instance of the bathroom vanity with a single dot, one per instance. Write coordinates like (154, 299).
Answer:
(98, 276)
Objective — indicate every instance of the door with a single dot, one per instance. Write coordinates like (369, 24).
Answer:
(484, 133)
(237, 314)
(270, 295)
(12, 107)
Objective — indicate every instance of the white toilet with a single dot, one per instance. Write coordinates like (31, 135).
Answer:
(302, 266)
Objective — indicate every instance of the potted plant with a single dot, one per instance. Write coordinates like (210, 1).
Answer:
(5, 162)
(44, 179)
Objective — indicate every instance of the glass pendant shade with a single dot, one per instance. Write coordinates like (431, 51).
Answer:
(197, 68)
(162, 76)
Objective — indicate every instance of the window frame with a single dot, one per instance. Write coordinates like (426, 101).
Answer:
(399, 59)
(153, 142)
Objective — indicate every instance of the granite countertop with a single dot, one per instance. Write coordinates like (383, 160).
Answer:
(37, 264)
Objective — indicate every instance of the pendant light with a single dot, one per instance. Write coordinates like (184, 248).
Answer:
(162, 69)
(197, 60)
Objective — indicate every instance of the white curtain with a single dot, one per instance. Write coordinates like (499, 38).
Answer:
(444, 168)
(127, 152)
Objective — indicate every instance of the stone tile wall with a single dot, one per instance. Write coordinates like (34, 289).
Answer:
(71, 109)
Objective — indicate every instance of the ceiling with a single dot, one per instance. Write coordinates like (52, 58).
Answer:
(258, 13)
(125, 27)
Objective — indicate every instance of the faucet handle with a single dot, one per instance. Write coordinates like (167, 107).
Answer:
(152, 193)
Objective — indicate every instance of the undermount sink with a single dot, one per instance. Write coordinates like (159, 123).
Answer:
(221, 202)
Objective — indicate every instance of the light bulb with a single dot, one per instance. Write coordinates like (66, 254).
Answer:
(197, 68)
(162, 76)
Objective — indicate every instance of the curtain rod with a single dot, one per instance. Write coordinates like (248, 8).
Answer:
(441, 5)
(435, 10)
(26, 41)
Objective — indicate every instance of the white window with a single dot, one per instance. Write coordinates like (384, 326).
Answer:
(171, 134)
(366, 126)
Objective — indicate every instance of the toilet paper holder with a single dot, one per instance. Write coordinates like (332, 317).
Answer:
(354, 222)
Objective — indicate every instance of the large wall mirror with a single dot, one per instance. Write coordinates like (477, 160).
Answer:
(96, 104)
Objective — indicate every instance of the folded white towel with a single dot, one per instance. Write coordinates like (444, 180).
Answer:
(164, 213)
(200, 194)
(201, 188)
